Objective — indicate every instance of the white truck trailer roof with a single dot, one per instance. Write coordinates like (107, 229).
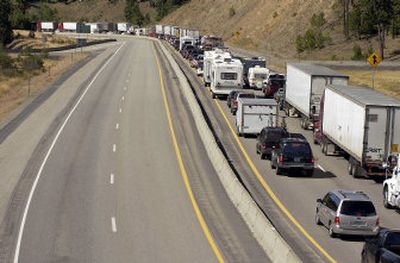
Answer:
(365, 96)
(317, 70)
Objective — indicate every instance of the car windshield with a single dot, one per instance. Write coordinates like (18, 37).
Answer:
(277, 82)
(260, 76)
(295, 149)
(229, 76)
(358, 208)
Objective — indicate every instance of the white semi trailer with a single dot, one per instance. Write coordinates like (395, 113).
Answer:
(363, 123)
(304, 87)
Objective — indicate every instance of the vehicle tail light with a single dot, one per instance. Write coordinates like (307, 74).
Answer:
(264, 145)
(235, 103)
(377, 222)
(281, 158)
(337, 220)
(312, 161)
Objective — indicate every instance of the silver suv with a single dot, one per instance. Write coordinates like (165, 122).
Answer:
(347, 213)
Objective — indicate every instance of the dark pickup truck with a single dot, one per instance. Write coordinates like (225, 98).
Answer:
(385, 247)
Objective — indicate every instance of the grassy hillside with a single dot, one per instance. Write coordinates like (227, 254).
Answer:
(270, 25)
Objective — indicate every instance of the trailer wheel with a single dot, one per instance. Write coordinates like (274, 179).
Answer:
(355, 170)
(324, 147)
(386, 203)
(350, 168)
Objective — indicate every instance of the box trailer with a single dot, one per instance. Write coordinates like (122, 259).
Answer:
(254, 114)
(305, 85)
(249, 63)
(69, 26)
(226, 75)
(167, 30)
(159, 30)
(123, 27)
(364, 124)
(48, 26)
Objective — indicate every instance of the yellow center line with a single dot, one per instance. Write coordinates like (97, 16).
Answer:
(199, 215)
(270, 192)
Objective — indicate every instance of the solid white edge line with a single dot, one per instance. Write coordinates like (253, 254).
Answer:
(38, 175)
(113, 225)
(321, 168)
(111, 178)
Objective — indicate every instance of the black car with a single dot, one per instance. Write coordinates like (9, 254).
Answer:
(297, 135)
(292, 154)
(231, 97)
(269, 138)
(385, 247)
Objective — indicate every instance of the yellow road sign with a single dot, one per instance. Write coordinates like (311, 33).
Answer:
(374, 59)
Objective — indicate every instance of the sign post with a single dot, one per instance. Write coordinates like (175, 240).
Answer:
(374, 60)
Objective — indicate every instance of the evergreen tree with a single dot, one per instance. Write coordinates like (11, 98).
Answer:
(133, 13)
(5, 24)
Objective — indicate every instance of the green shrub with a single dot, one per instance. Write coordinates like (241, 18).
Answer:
(232, 11)
(357, 53)
(275, 14)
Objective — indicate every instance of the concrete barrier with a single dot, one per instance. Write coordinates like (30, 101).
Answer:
(269, 239)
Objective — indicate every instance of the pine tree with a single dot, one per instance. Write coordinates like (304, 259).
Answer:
(5, 24)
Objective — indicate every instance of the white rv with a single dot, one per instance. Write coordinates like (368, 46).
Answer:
(256, 77)
(209, 57)
(226, 75)
(186, 41)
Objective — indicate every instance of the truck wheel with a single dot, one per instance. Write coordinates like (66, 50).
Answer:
(350, 168)
(214, 96)
(324, 148)
(354, 170)
(386, 203)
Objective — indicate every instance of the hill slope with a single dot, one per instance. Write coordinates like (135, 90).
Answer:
(268, 25)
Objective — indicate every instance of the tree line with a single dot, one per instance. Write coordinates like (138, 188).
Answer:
(368, 18)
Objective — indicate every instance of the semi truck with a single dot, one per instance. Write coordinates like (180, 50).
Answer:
(226, 75)
(254, 114)
(159, 31)
(304, 87)
(363, 124)
(123, 27)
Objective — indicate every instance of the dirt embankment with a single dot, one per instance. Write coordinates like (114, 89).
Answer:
(270, 26)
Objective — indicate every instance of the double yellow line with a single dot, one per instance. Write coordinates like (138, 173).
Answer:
(197, 211)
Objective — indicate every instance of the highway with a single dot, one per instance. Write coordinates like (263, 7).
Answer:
(283, 197)
(121, 176)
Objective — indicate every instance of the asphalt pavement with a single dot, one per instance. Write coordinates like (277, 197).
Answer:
(110, 188)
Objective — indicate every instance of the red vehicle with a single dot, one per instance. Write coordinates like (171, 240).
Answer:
(275, 82)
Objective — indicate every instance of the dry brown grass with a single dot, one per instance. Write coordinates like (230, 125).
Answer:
(14, 90)
(23, 40)
(269, 26)
(387, 81)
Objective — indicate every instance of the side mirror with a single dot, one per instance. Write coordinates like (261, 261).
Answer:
(319, 200)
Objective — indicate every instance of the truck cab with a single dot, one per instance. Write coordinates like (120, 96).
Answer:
(391, 188)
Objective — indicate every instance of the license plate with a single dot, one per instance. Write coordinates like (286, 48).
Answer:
(297, 159)
(359, 223)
